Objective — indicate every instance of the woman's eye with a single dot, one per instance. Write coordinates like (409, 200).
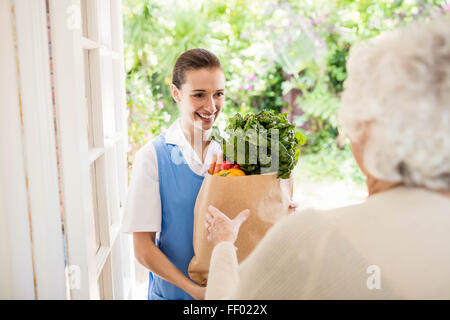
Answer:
(198, 95)
(219, 94)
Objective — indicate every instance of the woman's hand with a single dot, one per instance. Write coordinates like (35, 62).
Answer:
(197, 292)
(293, 206)
(221, 228)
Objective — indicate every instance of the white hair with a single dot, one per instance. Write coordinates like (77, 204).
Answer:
(398, 91)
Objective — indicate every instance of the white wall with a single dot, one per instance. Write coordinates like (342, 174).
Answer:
(40, 148)
(5, 262)
(32, 249)
(16, 268)
(34, 264)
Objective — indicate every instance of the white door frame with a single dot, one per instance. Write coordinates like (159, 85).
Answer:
(72, 122)
(100, 258)
(16, 265)
(36, 247)
(48, 240)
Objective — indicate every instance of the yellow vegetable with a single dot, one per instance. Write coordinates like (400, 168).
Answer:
(233, 172)
(220, 173)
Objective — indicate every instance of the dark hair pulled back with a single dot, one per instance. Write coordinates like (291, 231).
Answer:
(193, 59)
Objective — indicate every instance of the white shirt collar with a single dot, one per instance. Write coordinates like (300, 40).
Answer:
(174, 135)
(174, 132)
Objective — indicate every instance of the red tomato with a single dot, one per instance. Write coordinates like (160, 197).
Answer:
(226, 165)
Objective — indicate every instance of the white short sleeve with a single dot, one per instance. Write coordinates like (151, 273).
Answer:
(143, 204)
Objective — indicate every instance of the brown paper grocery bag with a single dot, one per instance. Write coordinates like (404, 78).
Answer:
(268, 199)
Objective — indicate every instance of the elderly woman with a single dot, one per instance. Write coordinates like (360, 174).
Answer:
(395, 245)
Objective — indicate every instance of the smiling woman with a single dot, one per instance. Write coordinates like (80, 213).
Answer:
(160, 204)
(198, 86)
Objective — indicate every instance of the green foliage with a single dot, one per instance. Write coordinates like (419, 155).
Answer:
(272, 98)
(342, 23)
(267, 48)
(330, 163)
(251, 138)
(336, 70)
(321, 104)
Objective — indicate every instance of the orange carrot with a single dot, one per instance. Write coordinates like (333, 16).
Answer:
(213, 164)
(218, 163)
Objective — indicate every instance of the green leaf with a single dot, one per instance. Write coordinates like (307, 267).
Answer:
(254, 132)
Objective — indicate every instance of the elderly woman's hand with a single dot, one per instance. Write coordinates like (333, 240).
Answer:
(221, 228)
(293, 206)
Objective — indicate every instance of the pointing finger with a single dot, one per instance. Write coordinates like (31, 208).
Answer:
(241, 217)
(213, 210)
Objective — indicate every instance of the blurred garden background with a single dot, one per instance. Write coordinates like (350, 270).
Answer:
(287, 56)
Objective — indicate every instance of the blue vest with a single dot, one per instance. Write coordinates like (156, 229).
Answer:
(178, 187)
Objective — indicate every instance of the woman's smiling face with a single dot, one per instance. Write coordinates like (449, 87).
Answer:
(201, 97)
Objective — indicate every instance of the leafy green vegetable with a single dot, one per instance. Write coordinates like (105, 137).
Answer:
(261, 143)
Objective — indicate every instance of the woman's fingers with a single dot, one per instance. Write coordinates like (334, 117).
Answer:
(220, 227)
(241, 217)
(208, 227)
(293, 205)
(209, 219)
(213, 211)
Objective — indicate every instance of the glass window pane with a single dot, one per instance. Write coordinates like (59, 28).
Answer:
(88, 101)
(112, 181)
(95, 207)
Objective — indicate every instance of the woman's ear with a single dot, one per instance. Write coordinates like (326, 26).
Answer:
(175, 93)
